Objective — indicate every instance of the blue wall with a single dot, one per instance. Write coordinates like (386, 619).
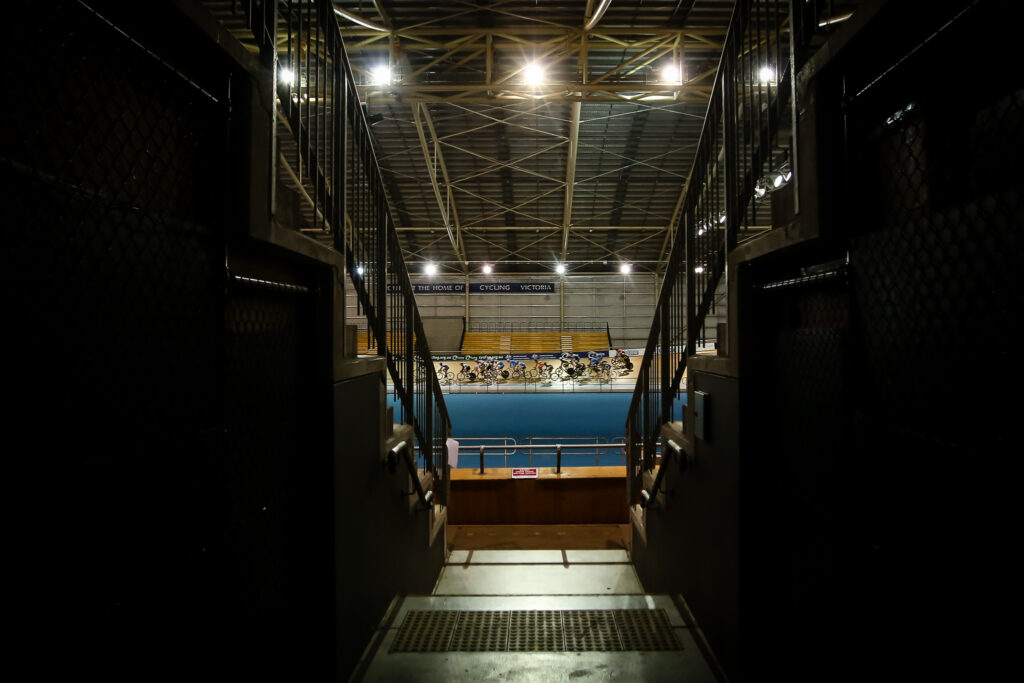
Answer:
(521, 416)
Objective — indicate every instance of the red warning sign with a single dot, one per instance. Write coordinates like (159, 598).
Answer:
(524, 472)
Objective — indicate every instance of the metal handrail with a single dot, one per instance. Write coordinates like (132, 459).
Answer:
(405, 451)
(558, 448)
(332, 146)
(748, 136)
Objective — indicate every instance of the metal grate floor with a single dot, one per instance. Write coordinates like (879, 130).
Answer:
(535, 631)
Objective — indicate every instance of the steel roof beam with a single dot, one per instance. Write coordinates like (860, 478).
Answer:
(498, 162)
(570, 176)
(538, 29)
(512, 209)
(447, 208)
(534, 228)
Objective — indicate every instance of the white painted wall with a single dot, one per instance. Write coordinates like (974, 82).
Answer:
(624, 302)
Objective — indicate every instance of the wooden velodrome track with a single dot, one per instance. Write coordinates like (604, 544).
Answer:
(621, 381)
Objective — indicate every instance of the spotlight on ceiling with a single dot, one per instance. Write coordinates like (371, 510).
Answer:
(380, 75)
(560, 268)
(625, 268)
(766, 74)
(487, 268)
(533, 74)
(359, 270)
(699, 269)
(670, 73)
(430, 269)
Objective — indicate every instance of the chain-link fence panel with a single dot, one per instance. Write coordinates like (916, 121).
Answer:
(882, 363)
(162, 413)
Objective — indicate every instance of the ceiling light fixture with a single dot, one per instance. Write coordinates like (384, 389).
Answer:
(560, 268)
(766, 75)
(533, 74)
(699, 269)
(625, 268)
(359, 270)
(430, 269)
(286, 75)
(381, 75)
(670, 73)
(487, 268)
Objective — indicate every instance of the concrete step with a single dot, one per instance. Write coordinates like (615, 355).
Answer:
(518, 615)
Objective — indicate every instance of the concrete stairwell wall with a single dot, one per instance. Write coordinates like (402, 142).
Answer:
(386, 542)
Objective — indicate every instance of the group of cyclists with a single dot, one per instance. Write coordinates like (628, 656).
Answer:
(491, 370)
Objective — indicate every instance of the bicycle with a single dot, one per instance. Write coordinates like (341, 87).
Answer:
(445, 375)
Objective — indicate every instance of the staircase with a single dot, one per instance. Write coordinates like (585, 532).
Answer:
(379, 493)
(537, 615)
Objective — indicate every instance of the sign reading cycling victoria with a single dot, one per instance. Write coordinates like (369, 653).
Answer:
(512, 288)
(480, 288)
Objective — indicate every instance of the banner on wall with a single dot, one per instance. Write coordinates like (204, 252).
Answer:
(433, 288)
(479, 288)
(511, 287)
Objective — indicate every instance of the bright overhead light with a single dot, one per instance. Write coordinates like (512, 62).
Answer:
(430, 269)
(533, 74)
(766, 74)
(699, 269)
(560, 268)
(359, 270)
(670, 73)
(487, 268)
(625, 268)
(380, 75)
(286, 75)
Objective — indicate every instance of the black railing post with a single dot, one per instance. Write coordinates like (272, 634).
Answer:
(381, 306)
(733, 206)
(691, 284)
(409, 361)
(428, 412)
(339, 227)
(666, 360)
(481, 459)
(558, 458)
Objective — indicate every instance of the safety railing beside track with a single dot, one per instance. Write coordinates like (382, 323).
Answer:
(325, 147)
(743, 180)
(506, 447)
(549, 449)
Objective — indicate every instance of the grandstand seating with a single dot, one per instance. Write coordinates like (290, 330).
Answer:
(500, 343)
(486, 343)
(367, 344)
(589, 341)
(536, 342)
